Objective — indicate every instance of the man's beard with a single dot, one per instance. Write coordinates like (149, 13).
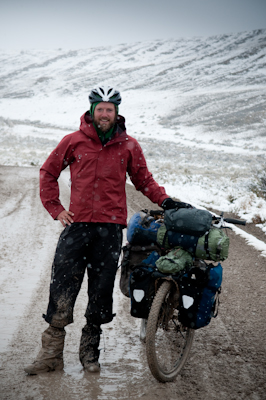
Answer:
(104, 124)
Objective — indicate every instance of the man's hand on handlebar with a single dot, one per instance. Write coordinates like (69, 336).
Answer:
(169, 204)
(65, 217)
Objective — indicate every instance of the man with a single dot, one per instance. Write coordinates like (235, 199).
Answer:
(99, 154)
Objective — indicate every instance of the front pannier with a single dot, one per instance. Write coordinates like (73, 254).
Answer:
(199, 290)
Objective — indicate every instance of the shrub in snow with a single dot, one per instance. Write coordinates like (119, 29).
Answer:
(259, 187)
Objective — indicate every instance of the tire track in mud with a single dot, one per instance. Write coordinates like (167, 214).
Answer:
(23, 224)
(227, 358)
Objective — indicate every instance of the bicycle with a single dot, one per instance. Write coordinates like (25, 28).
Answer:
(168, 342)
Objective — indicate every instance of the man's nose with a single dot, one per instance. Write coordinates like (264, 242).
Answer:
(104, 113)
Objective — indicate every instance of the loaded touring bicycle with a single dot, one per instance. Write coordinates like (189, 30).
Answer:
(171, 270)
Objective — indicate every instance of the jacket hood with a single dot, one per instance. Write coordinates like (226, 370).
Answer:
(86, 126)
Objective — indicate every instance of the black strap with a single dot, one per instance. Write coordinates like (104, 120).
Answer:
(216, 303)
(206, 244)
(162, 247)
(206, 247)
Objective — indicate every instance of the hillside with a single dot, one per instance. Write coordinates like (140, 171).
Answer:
(196, 105)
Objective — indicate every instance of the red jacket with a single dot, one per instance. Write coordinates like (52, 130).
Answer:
(98, 174)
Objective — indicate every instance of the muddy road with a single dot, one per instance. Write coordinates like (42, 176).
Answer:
(228, 358)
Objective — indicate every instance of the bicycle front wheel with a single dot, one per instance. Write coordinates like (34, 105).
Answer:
(168, 342)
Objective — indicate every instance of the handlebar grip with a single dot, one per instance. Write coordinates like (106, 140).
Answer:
(156, 212)
(235, 221)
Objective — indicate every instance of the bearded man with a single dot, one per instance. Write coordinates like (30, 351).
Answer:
(99, 155)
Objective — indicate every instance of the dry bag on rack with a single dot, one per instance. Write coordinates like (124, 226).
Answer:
(142, 228)
(189, 221)
(199, 290)
(174, 261)
(214, 245)
(169, 239)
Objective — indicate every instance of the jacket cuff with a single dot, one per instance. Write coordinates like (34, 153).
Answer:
(54, 211)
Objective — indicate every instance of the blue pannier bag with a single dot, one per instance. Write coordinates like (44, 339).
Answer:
(132, 257)
(199, 290)
(151, 259)
(141, 290)
(142, 229)
(142, 286)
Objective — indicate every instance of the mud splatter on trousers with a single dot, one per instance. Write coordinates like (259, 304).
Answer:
(91, 247)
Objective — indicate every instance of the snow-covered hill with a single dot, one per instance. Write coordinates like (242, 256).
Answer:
(196, 105)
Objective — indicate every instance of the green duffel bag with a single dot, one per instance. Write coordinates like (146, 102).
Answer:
(213, 246)
(175, 261)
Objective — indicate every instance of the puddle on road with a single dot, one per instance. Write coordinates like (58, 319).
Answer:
(124, 370)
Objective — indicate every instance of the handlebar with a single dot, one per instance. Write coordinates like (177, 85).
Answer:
(235, 221)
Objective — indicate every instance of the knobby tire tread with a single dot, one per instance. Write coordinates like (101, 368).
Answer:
(150, 337)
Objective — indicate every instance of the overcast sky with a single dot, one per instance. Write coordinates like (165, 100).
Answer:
(73, 24)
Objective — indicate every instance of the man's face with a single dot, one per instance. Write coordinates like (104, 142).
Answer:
(104, 116)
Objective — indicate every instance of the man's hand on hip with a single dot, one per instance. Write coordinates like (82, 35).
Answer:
(65, 217)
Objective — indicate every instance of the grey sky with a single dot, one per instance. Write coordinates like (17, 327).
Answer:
(73, 24)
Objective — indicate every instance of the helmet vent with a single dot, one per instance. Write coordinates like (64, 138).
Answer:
(105, 93)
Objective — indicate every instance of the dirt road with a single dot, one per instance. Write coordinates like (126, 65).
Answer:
(228, 358)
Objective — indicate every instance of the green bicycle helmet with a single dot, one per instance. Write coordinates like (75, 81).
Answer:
(105, 93)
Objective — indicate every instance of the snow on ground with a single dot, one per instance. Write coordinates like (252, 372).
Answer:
(250, 239)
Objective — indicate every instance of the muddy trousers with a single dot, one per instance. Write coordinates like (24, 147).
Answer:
(91, 247)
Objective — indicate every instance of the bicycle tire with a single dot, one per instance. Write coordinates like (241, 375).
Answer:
(168, 343)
